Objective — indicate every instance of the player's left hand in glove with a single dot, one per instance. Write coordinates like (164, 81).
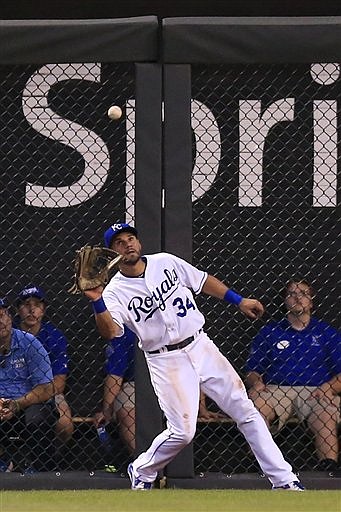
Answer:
(92, 267)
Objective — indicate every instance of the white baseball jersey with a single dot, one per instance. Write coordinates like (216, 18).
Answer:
(158, 307)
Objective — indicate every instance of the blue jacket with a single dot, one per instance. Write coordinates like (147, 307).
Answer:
(26, 366)
(120, 356)
(55, 344)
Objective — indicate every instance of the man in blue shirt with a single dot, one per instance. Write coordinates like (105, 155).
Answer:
(119, 387)
(25, 388)
(295, 368)
(31, 306)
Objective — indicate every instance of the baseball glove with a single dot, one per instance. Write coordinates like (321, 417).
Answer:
(92, 266)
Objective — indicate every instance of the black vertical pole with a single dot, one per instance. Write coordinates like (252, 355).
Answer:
(178, 192)
(148, 151)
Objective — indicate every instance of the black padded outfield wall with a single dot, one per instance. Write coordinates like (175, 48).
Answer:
(237, 172)
(68, 173)
(265, 121)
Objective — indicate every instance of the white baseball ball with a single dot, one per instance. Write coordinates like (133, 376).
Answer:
(114, 112)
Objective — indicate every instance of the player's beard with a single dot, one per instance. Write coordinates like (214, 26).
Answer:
(131, 259)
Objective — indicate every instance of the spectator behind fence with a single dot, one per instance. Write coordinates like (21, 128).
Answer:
(295, 368)
(119, 388)
(31, 306)
(27, 415)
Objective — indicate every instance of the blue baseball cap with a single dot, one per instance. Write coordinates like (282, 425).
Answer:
(31, 291)
(116, 229)
(4, 304)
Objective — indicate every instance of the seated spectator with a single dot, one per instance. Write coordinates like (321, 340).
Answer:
(295, 368)
(119, 388)
(26, 387)
(31, 308)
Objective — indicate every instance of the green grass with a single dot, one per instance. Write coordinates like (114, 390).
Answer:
(169, 500)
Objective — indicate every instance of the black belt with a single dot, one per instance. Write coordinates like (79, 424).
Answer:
(175, 346)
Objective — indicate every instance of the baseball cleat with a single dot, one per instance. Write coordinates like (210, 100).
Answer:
(136, 483)
(293, 486)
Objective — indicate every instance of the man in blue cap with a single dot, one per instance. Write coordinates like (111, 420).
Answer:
(31, 306)
(115, 229)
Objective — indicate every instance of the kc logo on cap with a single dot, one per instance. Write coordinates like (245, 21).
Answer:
(115, 229)
(119, 227)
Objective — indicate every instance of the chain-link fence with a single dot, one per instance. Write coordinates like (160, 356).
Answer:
(265, 146)
(66, 175)
(265, 195)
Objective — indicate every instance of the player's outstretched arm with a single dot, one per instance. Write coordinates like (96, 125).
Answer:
(252, 308)
(214, 287)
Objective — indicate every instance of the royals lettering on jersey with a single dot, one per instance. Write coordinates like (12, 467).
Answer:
(160, 307)
(157, 300)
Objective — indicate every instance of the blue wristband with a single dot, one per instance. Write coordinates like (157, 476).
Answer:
(99, 306)
(233, 297)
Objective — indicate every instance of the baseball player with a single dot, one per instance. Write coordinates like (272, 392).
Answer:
(154, 296)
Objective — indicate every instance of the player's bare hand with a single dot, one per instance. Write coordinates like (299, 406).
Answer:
(94, 293)
(252, 308)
